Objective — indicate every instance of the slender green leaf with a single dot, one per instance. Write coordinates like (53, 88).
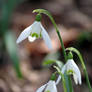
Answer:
(11, 48)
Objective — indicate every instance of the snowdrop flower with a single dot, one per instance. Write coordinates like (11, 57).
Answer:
(34, 31)
(49, 87)
(71, 68)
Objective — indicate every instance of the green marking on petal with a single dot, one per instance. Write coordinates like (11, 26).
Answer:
(47, 91)
(40, 35)
(35, 35)
(70, 72)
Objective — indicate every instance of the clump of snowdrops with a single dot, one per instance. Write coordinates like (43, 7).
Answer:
(35, 31)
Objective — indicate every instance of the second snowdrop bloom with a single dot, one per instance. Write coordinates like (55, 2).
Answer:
(34, 31)
(49, 87)
(71, 68)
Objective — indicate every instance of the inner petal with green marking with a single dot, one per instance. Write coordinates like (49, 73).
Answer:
(35, 35)
(47, 91)
(70, 72)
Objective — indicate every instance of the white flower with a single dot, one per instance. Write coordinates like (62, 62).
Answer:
(71, 68)
(49, 87)
(34, 31)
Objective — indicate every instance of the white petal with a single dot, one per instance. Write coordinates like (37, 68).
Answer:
(46, 38)
(36, 28)
(24, 34)
(58, 80)
(75, 79)
(41, 88)
(77, 75)
(80, 82)
(62, 71)
(31, 39)
(71, 65)
(51, 86)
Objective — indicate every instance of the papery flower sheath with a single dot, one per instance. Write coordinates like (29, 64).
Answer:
(71, 68)
(34, 31)
(49, 87)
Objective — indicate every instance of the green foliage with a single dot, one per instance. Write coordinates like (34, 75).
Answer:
(52, 58)
(84, 36)
(50, 62)
(8, 40)
(11, 48)
(6, 12)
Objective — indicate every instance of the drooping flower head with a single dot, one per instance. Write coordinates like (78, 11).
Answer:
(35, 31)
(71, 68)
(49, 87)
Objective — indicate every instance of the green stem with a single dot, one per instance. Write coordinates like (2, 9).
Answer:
(68, 82)
(8, 38)
(63, 79)
(64, 82)
(83, 66)
(53, 22)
